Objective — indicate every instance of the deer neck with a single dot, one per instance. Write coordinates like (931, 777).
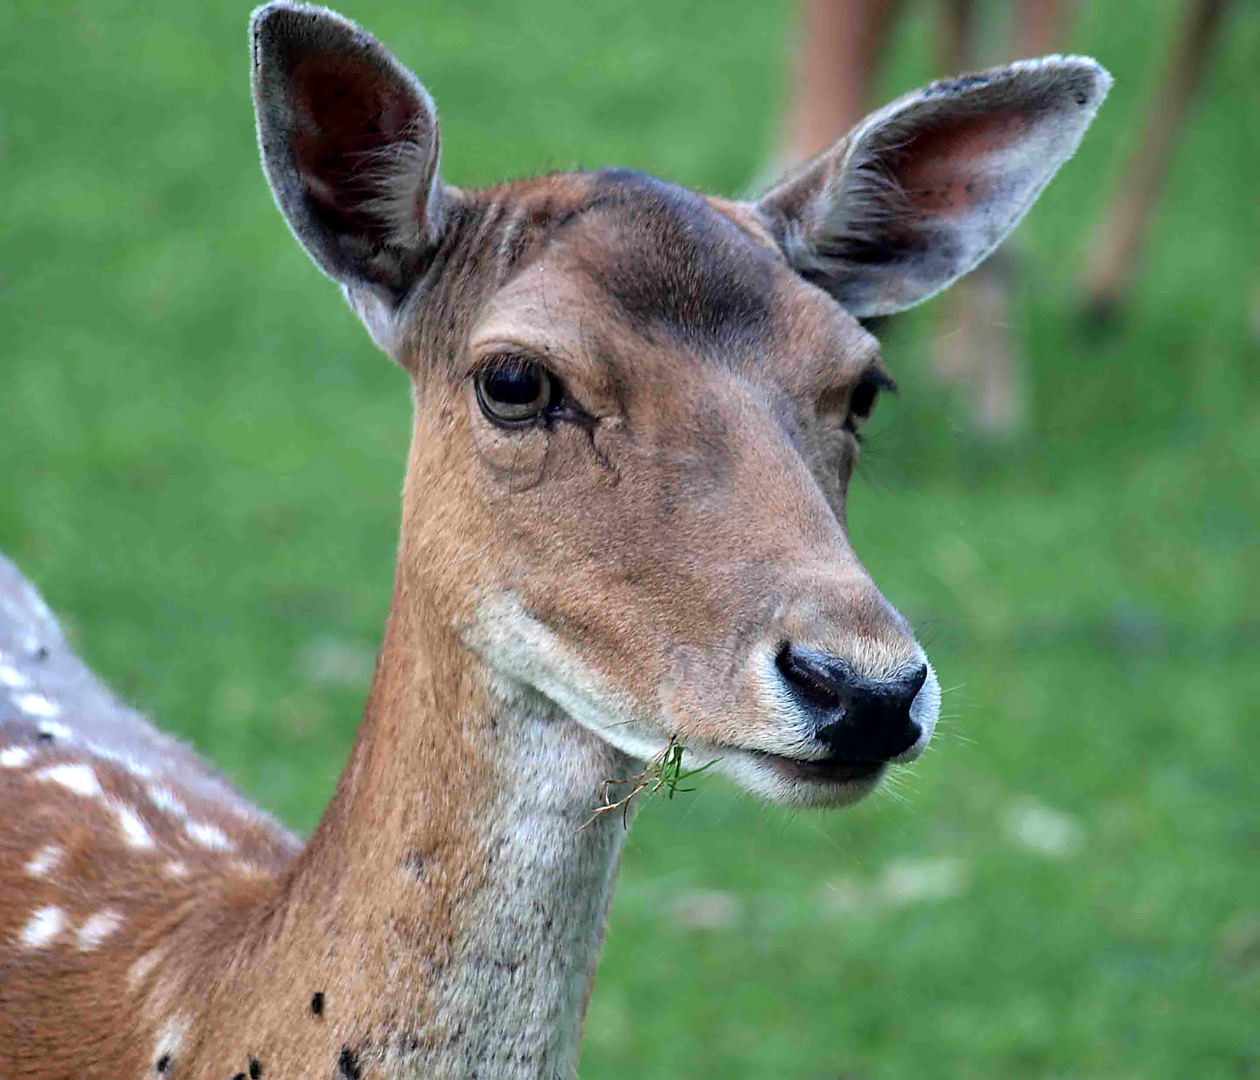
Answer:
(457, 876)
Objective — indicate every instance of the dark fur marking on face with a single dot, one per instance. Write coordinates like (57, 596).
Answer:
(348, 1063)
(694, 273)
(239, 1076)
(45, 736)
(317, 1003)
(163, 1063)
(255, 1069)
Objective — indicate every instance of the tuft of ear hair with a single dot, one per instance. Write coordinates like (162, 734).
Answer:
(920, 192)
(349, 143)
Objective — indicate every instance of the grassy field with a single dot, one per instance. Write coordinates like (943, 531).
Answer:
(200, 454)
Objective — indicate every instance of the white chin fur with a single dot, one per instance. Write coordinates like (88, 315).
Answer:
(760, 777)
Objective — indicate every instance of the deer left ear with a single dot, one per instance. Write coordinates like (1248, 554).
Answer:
(923, 190)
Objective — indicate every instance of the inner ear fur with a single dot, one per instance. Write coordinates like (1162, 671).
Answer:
(923, 190)
(349, 143)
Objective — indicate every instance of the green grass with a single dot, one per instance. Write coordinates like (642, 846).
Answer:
(200, 455)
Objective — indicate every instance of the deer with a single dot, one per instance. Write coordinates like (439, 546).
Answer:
(637, 410)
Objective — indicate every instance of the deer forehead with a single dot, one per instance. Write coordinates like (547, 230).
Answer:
(632, 269)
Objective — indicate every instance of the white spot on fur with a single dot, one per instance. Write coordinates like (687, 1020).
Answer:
(133, 828)
(56, 730)
(44, 925)
(46, 859)
(171, 1036)
(176, 869)
(207, 835)
(12, 678)
(14, 757)
(78, 778)
(120, 758)
(36, 705)
(165, 799)
(140, 969)
(98, 928)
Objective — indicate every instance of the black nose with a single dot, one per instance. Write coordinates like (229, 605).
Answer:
(859, 719)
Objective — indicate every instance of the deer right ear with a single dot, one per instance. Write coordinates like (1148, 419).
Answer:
(349, 142)
(920, 192)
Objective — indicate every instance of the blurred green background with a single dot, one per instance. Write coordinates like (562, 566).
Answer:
(200, 456)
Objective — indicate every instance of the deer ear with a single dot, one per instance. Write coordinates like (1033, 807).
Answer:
(923, 190)
(349, 142)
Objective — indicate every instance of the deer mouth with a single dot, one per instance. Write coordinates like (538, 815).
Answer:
(827, 771)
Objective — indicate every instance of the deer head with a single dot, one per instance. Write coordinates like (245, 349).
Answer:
(638, 408)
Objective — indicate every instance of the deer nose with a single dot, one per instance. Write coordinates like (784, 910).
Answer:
(855, 717)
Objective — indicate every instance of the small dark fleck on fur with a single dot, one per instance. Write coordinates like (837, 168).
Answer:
(239, 1076)
(348, 1063)
(45, 736)
(41, 653)
(255, 1069)
(1081, 97)
(317, 1003)
(163, 1063)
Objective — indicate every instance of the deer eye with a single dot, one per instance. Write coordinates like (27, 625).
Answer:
(864, 395)
(513, 391)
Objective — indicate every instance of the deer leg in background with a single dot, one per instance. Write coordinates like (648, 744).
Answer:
(840, 44)
(956, 49)
(1041, 27)
(978, 347)
(955, 353)
(1112, 264)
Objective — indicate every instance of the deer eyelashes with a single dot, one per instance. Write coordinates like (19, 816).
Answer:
(863, 398)
(515, 391)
